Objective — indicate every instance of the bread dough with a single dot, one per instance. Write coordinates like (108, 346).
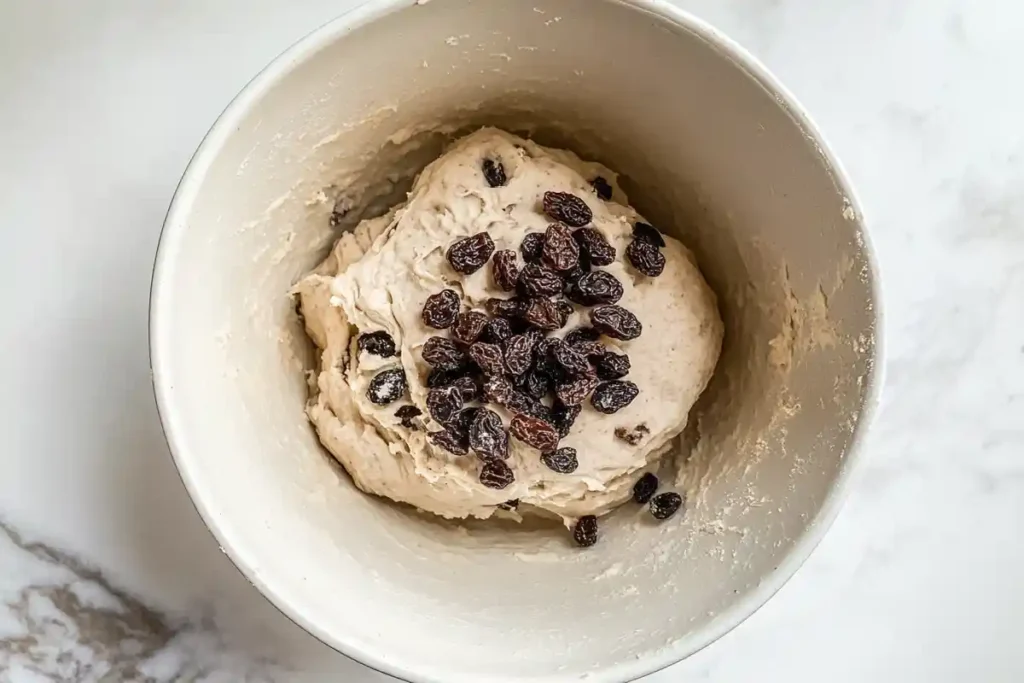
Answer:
(378, 278)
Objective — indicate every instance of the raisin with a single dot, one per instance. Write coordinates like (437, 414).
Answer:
(594, 246)
(378, 343)
(564, 311)
(632, 436)
(498, 330)
(495, 474)
(561, 252)
(443, 354)
(664, 505)
(470, 254)
(441, 309)
(616, 322)
(562, 460)
(598, 287)
(442, 378)
(574, 363)
(506, 308)
(538, 280)
(505, 269)
(585, 531)
(469, 387)
(450, 441)
(646, 258)
(519, 353)
(581, 334)
(611, 365)
(445, 404)
(591, 349)
(567, 208)
(509, 504)
(575, 391)
(535, 384)
(645, 487)
(534, 432)
(544, 362)
(610, 397)
(406, 415)
(564, 416)
(648, 233)
(489, 357)
(532, 247)
(387, 386)
(602, 188)
(544, 313)
(494, 173)
(469, 326)
(487, 436)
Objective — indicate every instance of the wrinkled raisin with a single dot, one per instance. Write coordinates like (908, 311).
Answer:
(378, 343)
(646, 258)
(506, 308)
(470, 388)
(534, 432)
(441, 309)
(582, 334)
(585, 531)
(470, 254)
(406, 415)
(598, 287)
(509, 504)
(594, 245)
(495, 474)
(664, 505)
(445, 404)
(489, 357)
(535, 384)
(610, 397)
(505, 269)
(632, 436)
(443, 354)
(494, 173)
(519, 353)
(611, 365)
(562, 460)
(590, 349)
(567, 208)
(616, 322)
(543, 313)
(648, 233)
(498, 330)
(574, 363)
(538, 280)
(387, 386)
(450, 441)
(602, 188)
(532, 247)
(469, 326)
(561, 252)
(574, 392)
(564, 416)
(487, 436)
(645, 487)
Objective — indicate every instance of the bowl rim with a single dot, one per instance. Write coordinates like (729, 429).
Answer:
(174, 227)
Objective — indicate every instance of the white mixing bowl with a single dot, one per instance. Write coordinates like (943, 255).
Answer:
(712, 149)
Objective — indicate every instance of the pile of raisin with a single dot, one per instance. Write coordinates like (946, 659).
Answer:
(663, 505)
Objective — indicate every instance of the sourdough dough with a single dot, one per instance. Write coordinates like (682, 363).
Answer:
(378, 277)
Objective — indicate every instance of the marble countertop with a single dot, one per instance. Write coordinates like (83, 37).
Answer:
(108, 574)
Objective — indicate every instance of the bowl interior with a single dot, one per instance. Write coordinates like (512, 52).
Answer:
(707, 150)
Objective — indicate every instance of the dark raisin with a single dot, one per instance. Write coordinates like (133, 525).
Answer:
(489, 357)
(387, 386)
(441, 309)
(562, 460)
(561, 252)
(406, 415)
(538, 280)
(470, 388)
(616, 322)
(645, 487)
(648, 233)
(487, 436)
(611, 365)
(443, 354)
(610, 397)
(646, 258)
(564, 416)
(602, 188)
(470, 254)
(498, 330)
(495, 474)
(534, 432)
(582, 334)
(505, 269)
(535, 384)
(494, 172)
(378, 343)
(445, 404)
(506, 308)
(564, 311)
(590, 349)
(509, 504)
(544, 313)
(519, 353)
(567, 208)
(574, 392)
(585, 531)
(497, 390)
(664, 505)
(574, 363)
(532, 247)
(450, 441)
(469, 326)
(632, 436)
(598, 287)
(594, 245)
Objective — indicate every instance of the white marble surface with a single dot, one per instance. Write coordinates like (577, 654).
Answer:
(106, 571)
